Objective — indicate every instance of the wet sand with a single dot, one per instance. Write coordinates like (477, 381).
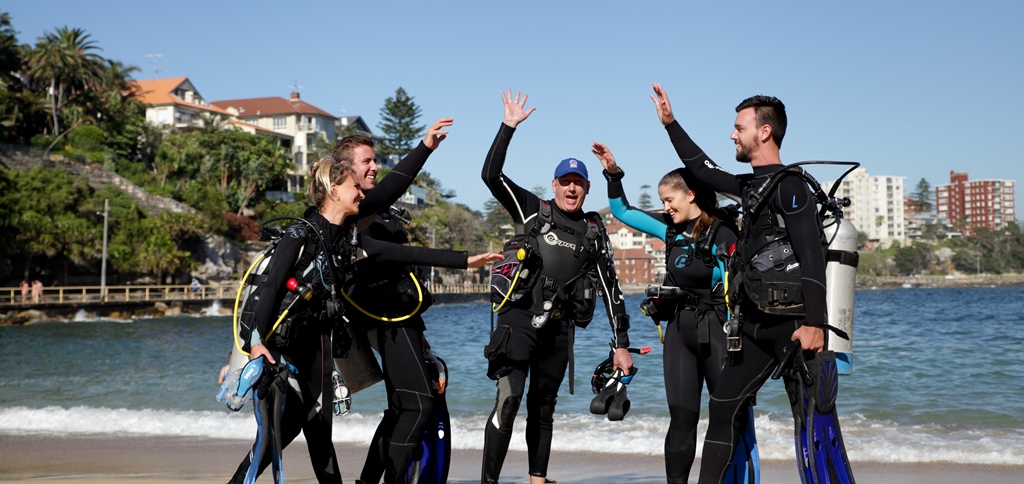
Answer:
(165, 460)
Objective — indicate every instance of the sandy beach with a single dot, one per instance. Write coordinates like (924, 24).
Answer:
(101, 459)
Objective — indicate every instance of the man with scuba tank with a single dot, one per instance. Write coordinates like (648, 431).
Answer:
(776, 291)
(387, 296)
(547, 285)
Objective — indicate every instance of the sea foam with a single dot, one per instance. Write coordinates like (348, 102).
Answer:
(865, 440)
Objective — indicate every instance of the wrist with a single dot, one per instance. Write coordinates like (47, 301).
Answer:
(613, 177)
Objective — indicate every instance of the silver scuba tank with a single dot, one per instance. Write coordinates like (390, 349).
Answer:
(840, 279)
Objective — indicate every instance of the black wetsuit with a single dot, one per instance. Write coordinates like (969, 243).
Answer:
(688, 363)
(543, 353)
(304, 340)
(408, 386)
(764, 336)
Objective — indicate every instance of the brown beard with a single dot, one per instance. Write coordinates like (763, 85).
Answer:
(743, 155)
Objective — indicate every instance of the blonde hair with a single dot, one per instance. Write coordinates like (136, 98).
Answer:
(323, 173)
(703, 196)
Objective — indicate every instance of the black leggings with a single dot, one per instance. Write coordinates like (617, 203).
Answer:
(763, 346)
(313, 360)
(410, 404)
(548, 350)
(688, 364)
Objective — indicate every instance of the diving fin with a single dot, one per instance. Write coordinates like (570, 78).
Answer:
(813, 386)
(237, 385)
(745, 467)
(433, 461)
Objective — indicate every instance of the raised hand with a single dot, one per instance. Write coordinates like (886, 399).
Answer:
(604, 155)
(435, 135)
(514, 108)
(662, 105)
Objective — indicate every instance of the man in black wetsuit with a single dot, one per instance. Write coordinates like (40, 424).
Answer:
(758, 131)
(523, 344)
(383, 291)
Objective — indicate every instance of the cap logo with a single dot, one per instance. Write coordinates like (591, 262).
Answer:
(572, 163)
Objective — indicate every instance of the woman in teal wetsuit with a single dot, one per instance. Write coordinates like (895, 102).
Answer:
(695, 235)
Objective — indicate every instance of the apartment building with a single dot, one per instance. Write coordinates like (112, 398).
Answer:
(293, 117)
(877, 205)
(972, 204)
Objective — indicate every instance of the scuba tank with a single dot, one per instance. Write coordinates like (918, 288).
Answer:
(840, 279)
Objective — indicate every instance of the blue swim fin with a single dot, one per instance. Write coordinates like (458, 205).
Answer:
(434, 460)
(269, 397)
(235, 389)
(813, 386)
(745, 467)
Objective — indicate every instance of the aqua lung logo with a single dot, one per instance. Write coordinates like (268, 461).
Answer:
(551, 239)
(681, 260)
(684, 258)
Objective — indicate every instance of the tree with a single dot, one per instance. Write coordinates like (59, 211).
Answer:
(922, 196)
(398, 125)
(644, 202)
(65, 60)
(541, 191)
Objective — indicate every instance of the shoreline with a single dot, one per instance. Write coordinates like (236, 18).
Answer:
(29, 314)
(159, 460)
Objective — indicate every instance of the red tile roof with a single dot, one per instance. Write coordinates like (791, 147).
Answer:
(270, 106)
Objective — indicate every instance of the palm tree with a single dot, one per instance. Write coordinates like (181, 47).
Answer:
(65, 59)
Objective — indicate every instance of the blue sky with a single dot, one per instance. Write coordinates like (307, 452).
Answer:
(912, 89)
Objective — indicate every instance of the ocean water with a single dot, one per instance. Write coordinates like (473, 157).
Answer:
(938, 377)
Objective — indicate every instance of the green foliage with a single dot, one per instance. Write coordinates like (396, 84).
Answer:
(398, 125)
(448, 226)
(922, 196)
(66, 62)
(236, 164)
(497, 223)
(87, 143)
(913, 259)
(268, 209)
(644, 202)
(57, 217)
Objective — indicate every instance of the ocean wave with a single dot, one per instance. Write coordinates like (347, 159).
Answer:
(866, 440)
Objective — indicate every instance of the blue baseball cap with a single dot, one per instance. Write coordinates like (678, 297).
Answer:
(571, 165)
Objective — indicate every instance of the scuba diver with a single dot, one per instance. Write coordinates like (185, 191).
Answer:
(547, 285)
(299, 321)
(692, 299)
(386, 296)
(777, 292)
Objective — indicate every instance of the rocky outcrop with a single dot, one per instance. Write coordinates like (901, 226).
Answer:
(218, 258)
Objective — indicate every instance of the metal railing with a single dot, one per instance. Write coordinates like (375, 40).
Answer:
(114, 294)
(71, 295)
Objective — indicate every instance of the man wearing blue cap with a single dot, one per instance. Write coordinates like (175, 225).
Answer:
(555, 265)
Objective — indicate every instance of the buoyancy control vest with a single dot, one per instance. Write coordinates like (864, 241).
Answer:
(312, 294)
(681, 252)
(764, 270)
(386, 291)
(550, 266)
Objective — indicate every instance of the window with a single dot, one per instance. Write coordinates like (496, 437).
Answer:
(280, 122)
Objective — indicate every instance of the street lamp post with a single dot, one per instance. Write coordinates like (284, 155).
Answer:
(433, 231)
(103, 263)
